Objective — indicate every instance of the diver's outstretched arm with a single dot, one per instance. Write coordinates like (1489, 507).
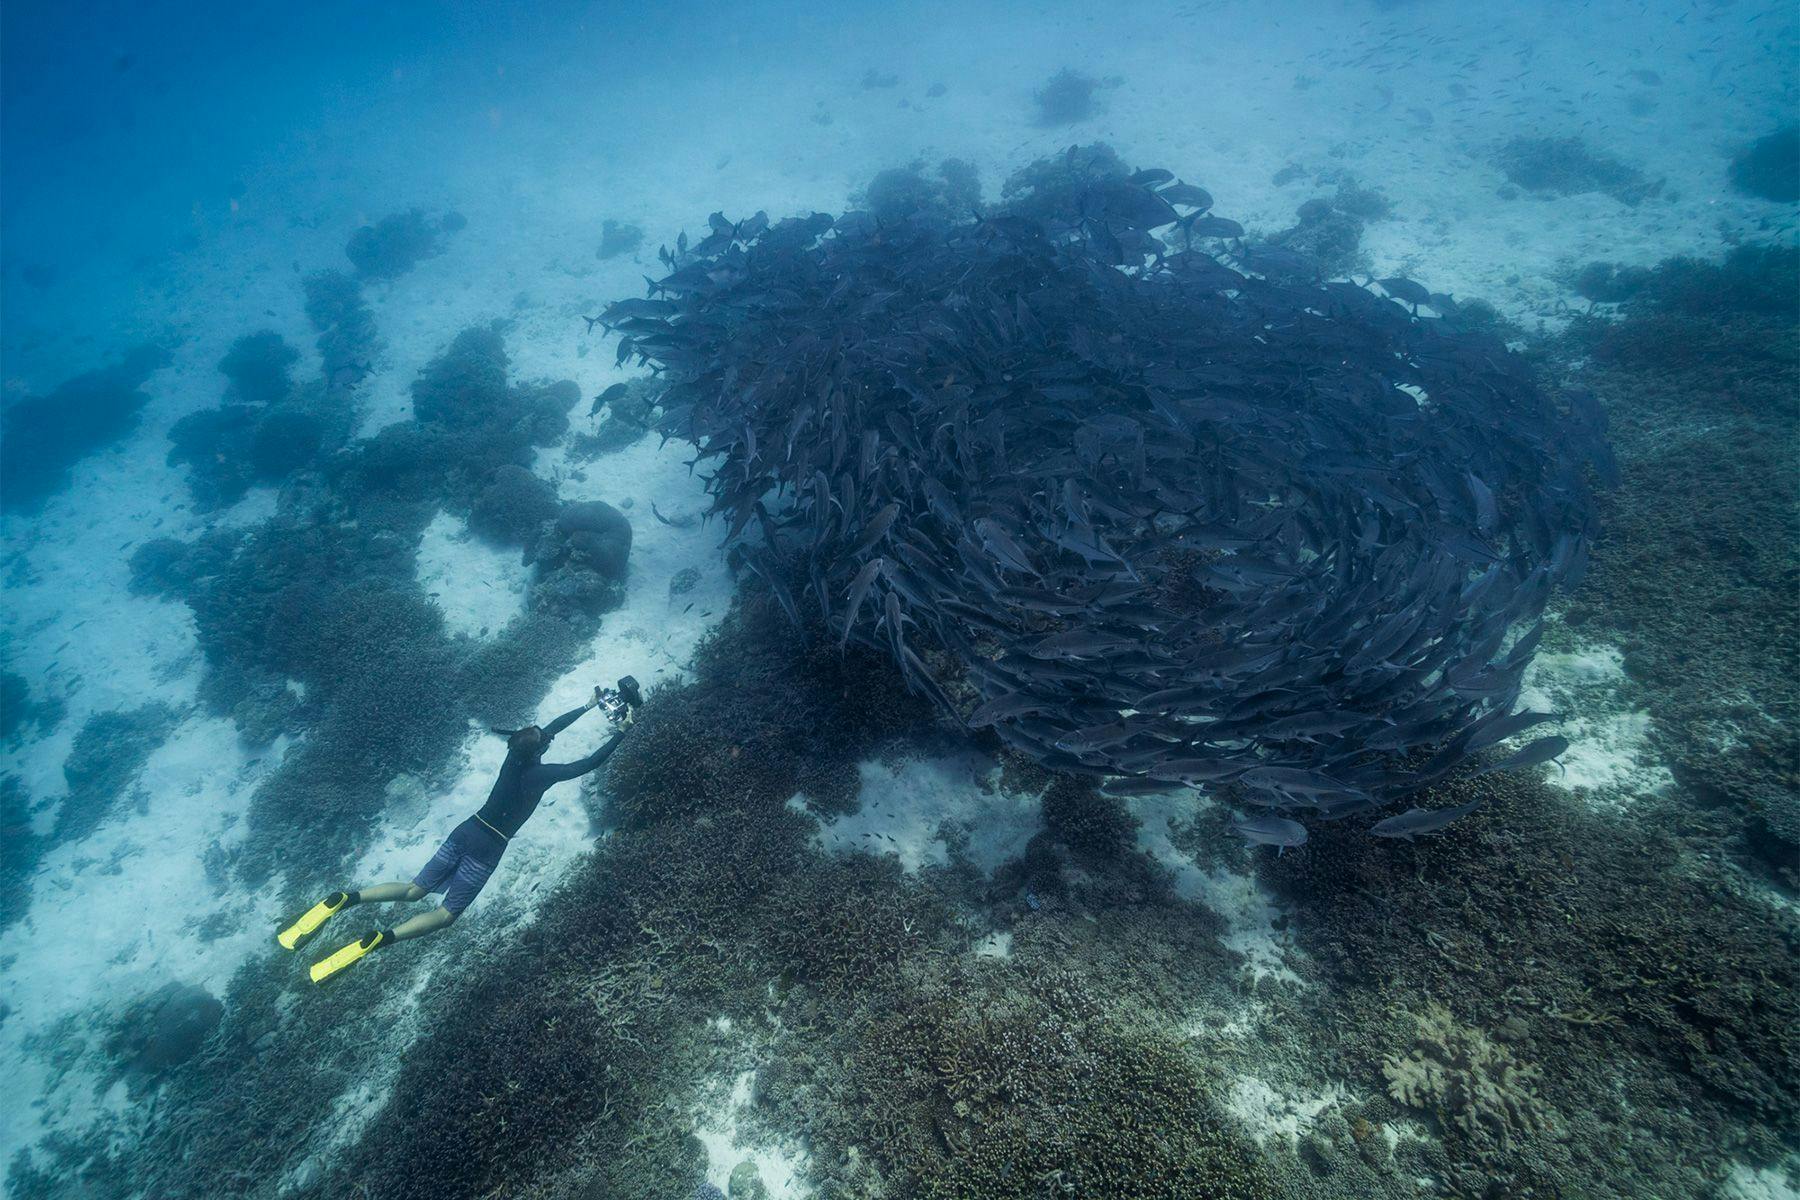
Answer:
(557, 772)
(567, 719)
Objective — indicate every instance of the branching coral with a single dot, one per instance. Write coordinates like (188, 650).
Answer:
(1695, 583)
(988, 1083)
(257, 366)
(1464, 1079)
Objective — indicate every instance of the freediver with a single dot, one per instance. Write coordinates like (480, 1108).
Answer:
(462, 865)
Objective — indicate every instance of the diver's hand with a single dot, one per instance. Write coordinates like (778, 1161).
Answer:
(594, 701)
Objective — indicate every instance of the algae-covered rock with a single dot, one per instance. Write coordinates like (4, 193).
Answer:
(1769, 168)
(746, 1183)
(166, 1028)
(582, 560)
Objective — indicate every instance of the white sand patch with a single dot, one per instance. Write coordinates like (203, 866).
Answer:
(479, 587)
(716, 1126)
(124, 910)
(1609, 757)
(1250, 913)
(994, 945)
(1270, 1114)
(120, 912)
(924, 810)
(1765, 1183)
(1239, 1025)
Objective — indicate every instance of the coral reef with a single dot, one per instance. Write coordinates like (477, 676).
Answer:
(20, 849)
(625, 418)
(1567, 166)
(514, 507)
(257, 366)
(900, 193)
(1066, 99)
(107, 754)
(1047, 187)
(995, 1082)
(162, 1030)
(348, 343)
(772, 714)
(1328, 231)
(1330, 236)
(581, 559)
(1364, 203)
(19, 711)
(397, 243)
(1608, 283)
(230, 448)
(42, 437)
(1769, 168)
(1694, 578)
(1669, 1000)
(1090, 824)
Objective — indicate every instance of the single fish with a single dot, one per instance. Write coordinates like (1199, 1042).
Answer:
(1279, 832)
(608, 396)
(1530, 755)
(876, 529)
(858, 591)
(1415, 822)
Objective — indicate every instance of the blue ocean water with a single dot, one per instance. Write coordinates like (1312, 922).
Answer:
(322, 460)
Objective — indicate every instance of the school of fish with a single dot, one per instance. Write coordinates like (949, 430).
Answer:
(1158, 505)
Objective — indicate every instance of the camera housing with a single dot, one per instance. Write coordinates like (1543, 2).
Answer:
(622, 699)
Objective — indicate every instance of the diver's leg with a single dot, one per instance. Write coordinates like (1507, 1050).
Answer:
(424, 923)
(383, 892)
(466, 882)
(432, 878)
(375, 939)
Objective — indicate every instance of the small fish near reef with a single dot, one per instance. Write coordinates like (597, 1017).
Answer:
(1278, 832)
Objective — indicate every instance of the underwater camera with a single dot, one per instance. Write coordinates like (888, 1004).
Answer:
(618, 701)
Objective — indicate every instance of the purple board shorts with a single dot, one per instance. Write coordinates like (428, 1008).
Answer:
(461, 866)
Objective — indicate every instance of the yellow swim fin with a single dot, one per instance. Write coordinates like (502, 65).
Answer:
(310, 921)
(325, 968)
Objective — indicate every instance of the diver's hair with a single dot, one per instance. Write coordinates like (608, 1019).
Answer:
(517, 739)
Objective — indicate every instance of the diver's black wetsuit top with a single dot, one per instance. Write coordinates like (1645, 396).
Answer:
(524, 780)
